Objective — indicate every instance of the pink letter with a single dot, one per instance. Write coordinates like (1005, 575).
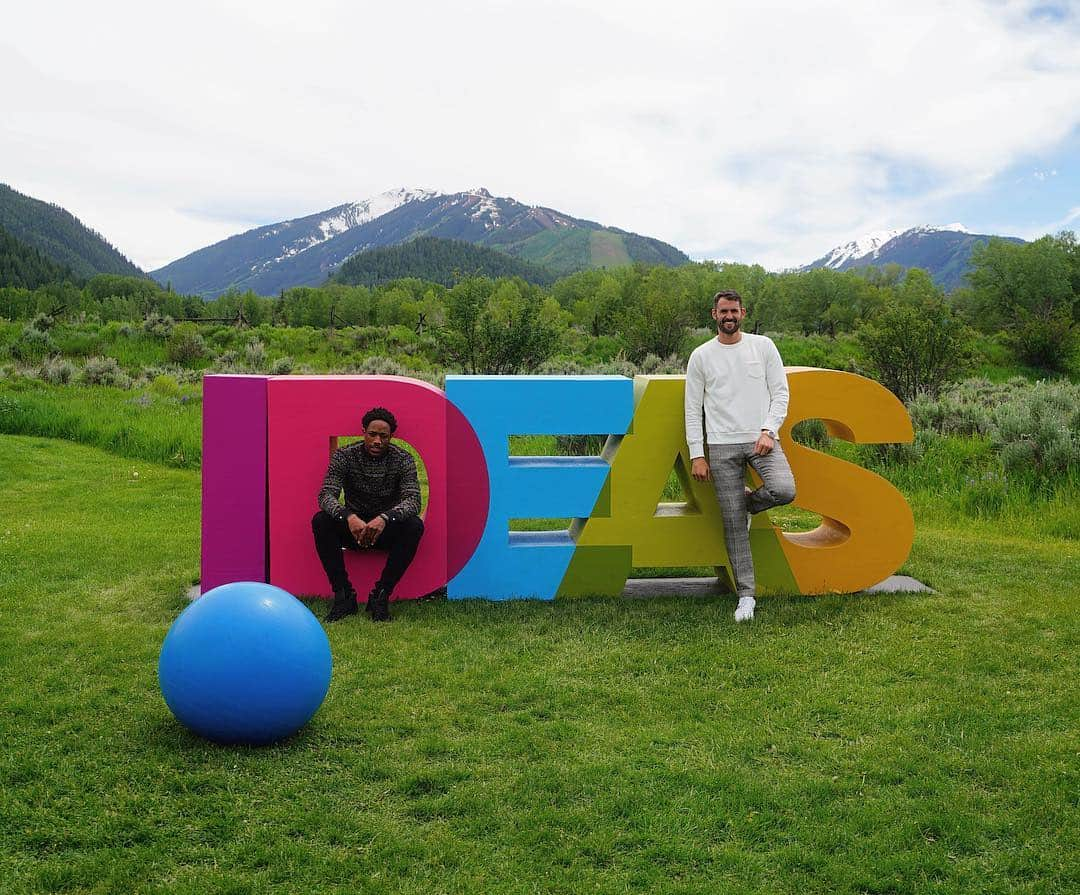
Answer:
(307, 414)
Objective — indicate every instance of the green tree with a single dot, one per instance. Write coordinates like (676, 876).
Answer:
(465, 307)
(915, 348)
(518, 332)
(660, 315)
(1030, 291)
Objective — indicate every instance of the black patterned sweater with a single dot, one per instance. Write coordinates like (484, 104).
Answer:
(372, 485)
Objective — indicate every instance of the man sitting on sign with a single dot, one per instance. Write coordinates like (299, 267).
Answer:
(381, 510)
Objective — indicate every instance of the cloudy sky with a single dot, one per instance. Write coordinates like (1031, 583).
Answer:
(753, 131)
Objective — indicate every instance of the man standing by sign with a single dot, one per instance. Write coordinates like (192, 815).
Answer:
(381, 509)
(738, 380)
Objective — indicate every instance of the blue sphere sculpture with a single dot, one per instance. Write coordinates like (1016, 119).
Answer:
(245, 663)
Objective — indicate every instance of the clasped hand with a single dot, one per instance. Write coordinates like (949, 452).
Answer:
(366, 533)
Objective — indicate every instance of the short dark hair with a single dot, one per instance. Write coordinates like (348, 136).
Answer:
(730, 295)
(380, 413)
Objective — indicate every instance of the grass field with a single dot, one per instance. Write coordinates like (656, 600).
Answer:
(916, 743)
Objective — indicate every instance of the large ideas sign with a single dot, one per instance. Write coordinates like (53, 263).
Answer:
(267, 442)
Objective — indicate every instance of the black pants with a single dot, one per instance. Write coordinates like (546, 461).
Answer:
(399, 539)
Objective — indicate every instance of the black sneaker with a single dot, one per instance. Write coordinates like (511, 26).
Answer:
(344, 604)
(378, 604)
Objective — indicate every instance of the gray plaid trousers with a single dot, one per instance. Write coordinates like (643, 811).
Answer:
(728, 463)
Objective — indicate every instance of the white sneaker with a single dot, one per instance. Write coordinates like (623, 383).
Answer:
(744, 612)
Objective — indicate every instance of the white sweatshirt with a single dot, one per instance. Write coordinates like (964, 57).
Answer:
(742, 387)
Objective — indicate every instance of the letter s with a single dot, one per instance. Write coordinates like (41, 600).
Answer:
(867, 527)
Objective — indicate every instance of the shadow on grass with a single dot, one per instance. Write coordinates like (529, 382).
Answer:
(166, 734)
(788, 610)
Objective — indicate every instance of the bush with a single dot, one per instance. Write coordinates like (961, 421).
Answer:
(227, 362)
(603, 348)
(1039, 436)
(42, 322)
(165, 386)
(620, 366)
(32, 345)
(651, 365)
(58, 371)
(381, 366)
(560, 366)
(1047, 341)
(366, 336)
(104, 371)
(915, 349)
(281, 367)
(184, 345)
(158, 326)
(255, 356)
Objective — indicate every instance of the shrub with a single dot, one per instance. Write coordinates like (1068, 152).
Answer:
(560, 366)
(950, 415)
(227, 362)
(1039, 436)
(42, 322)
(1048, 341)
(915, 349)
(255, 356)
(32, 345)
(104, 371)
(165, 386)
(366, 336)
(652, 365)
(620, 366)
(184, 345)
(57, 370)
(281, 367)
(159, 326)
(603, 348)
(381, 366)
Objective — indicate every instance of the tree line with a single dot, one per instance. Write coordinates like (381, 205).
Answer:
(1025, 296)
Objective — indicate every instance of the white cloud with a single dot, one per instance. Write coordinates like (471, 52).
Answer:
(770, 132)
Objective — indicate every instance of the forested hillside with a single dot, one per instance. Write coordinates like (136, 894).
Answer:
(60, 236)
(443, 261)
(24, 266)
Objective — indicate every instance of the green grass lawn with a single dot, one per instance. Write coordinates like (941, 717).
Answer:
(915, 743)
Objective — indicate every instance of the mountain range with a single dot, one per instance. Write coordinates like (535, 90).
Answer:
(305, 251)
(944, 252)
(455, 233)
(60, 236)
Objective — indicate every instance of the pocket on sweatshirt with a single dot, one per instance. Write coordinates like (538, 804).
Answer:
(754, 370)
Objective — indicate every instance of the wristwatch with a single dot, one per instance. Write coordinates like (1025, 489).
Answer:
(770, 433)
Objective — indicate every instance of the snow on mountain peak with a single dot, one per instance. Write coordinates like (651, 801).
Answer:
(947, 228)
(870, 244)
(376, 206)
(345, 217)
